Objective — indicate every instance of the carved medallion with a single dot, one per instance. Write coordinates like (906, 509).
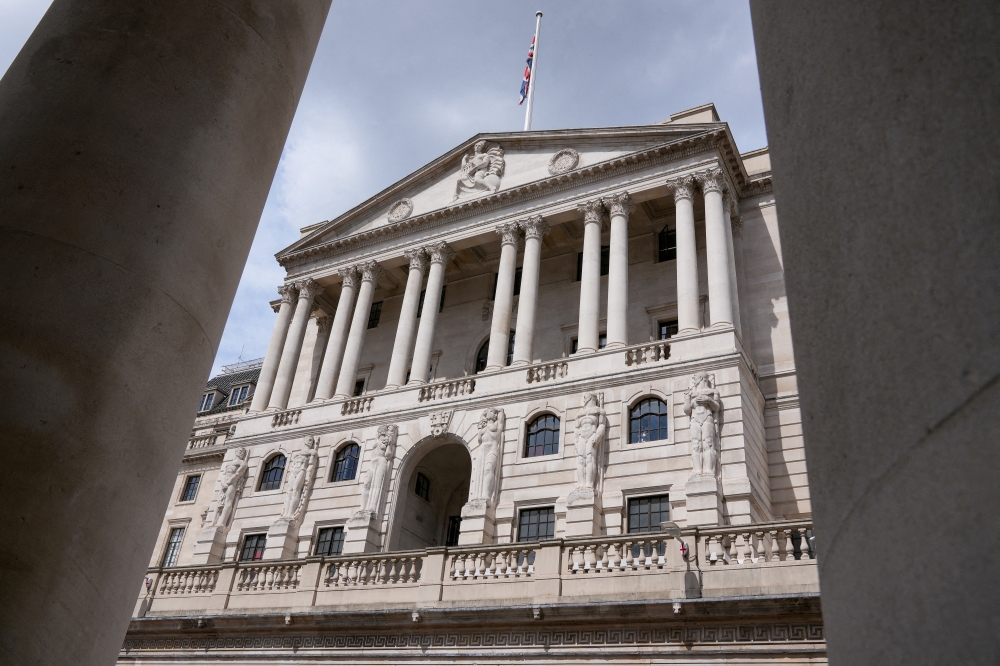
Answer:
(400, 210)
(563, 161)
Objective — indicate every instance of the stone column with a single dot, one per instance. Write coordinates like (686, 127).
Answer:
(424, 346)
(619, 206)
(407, 326)
(717, 230)
(590, 278)
(293, 345)
(273, 356)
(338, 335)
(730, 223)
(370, 273)
(524, 337)
(139, 141)
(503, 300)
(688, 318)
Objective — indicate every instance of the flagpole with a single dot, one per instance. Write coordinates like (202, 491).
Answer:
(531, 78)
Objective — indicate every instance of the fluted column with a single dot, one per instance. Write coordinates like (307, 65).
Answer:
(293, 345)
(406, 329)
(688, 317)
(619, 207)
(524, 337)
(370, 273)
(439, 256)
(338, 335)
(590, 278)
(503, 300)
(265, 383)
(734, 285)
(720, 299)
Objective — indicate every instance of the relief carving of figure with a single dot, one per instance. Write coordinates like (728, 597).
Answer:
(301, 473)
(378, 472)
(482, 169)
(591, 429)
(701, 403)
(232, 476)
(489, 456)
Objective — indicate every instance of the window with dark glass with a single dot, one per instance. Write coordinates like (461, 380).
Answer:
(374, 314)
(543, 436)
(274, 469)
(253, 547)
(444, 290)
(359, 387)
(648, 421)
(345, 466)
(420, 305)
(602, 342)
(330, 541)
(454, 529)
(536, 524)
(190, 488)
(482, 358)
(423, 487)
(646, 513)
(667, 241)
(668, 329)
(517, 283)
(206, 402)
(238, 395)
(173, 546)
(605, 262)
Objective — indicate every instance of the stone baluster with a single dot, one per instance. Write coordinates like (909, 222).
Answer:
(590, 278)
(407, 327)
(503, 300)
(370, 273)
(619, 207)
(293, 345)
(424, 346)
(761, 548)
(338, 335)
(535, 229)
(734, 554)
(688, 315)
(268, 371)
(717, 230)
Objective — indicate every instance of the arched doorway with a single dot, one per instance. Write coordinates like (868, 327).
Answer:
(433, 486)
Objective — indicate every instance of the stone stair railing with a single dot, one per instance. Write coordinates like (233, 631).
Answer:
(446, 389)
(648, 352)
(544, 372)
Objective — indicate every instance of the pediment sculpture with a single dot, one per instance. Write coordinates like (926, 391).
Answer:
(482, 169)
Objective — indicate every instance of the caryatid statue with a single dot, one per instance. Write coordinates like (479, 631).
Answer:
(378, 471)
(701, 403)
(489, 456)
(301, 473)
(591, 432)
(232, 476)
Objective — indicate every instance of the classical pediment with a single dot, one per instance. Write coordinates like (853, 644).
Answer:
(489, 167)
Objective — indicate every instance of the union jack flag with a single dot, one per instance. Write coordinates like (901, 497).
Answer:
(527, 73)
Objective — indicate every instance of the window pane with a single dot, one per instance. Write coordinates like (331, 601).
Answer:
(444, 290)
(668, 329)
(253, 547)
(510, 348)
(173, 546)
(454, 529)
(359, 387)
(420, 305)
(209, 400)
(536, 524)
(517, 282)
(648, 421)
(543, 436)
(190, 488)
(423, 487)
(605, 259)
(667, 244)
(271, 475)
(346, 465)
(646, 513)
(330, 541)
(374, 314)
(482, 356)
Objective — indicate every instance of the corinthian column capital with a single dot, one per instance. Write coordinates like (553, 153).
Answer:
(711, 180)
(682, 187)
(440, 253)
(592, 211)
(289, 294)
(371, 271)
(307, 289)
(619, 204)
(349, 276)
(510, 233)
(417, 258)
(325, 324)
(534, 227)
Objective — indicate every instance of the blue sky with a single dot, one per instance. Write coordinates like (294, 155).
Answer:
(396, 83)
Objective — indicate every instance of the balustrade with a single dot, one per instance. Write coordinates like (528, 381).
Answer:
(286, 418)
(516, 561)
(356, 406)
(744, 545)
(544, 372)
(202, 442)
(649, 352)
(268, 577)
(188, 581)
(627, 552)
(374, 569)
(446, 389)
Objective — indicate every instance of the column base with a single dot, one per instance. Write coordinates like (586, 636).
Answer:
(704, 500)
(210, 546)
(362, 533)
(282, 539)
(615, 345)
(478, 524)
(583, 513)
(584, 350)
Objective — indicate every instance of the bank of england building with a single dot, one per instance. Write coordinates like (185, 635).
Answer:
(536, 402)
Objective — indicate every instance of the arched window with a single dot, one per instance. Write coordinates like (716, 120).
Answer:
(543, 436)
(484, 351)
(345, 466)
(648, 421)
(270, 476)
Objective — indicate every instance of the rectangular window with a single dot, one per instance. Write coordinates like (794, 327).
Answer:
(330, 541)
(517, 283)
(238, 395)
(423, 487)
(602, 340)
(253, 547)
(374, 314)
(605, 262)
(454, 529)
(646, 513)
(359, 387)
(667, 241)
(206, 402)
(191, 488)
(536, 524)
(173, 547)
(668, 329)
(574, 344)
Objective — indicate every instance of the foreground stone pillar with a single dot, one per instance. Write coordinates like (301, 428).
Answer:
(370, 273)
(588, 330)
(619, 208)
(338, 335)
(884, 142)
(424, 346)
(268, 372)
(717, 230)
(138, 141)
(688, 317)
(407, 326)
(293, 345)
(503, 300)
(527, 308)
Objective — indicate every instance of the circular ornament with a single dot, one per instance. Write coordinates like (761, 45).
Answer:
(400, 210)
(563, 161)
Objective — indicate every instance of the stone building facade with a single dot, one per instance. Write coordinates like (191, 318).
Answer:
(535, 402)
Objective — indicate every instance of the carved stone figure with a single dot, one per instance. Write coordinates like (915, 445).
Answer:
(301, 472)
(232, 477)
(489, 456)
(591, 430)
(482, 169)
(701, 403)
(440, 422)
(378, 472)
